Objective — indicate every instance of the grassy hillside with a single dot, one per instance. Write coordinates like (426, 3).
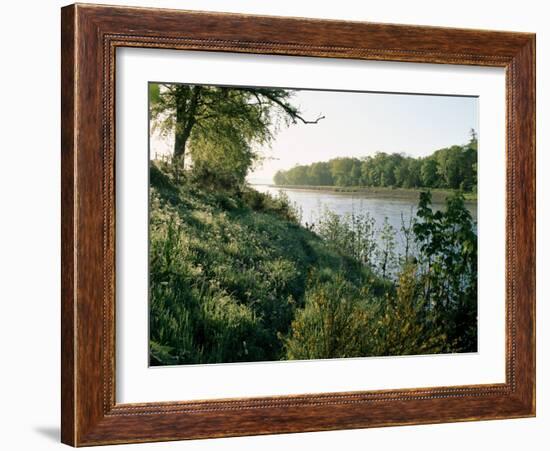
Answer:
(229, 271)
(235, 277)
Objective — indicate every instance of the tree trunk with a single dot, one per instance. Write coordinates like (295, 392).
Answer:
(185, 120)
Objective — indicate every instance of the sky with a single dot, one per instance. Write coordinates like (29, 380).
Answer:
(359, 124)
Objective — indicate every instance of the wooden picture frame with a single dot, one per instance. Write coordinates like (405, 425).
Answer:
(90, 36)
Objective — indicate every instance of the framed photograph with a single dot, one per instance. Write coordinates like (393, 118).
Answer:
(278, 225)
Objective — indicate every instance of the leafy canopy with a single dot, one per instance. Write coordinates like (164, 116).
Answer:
(221, 127)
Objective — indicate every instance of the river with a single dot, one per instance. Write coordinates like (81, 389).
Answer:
(312, 203)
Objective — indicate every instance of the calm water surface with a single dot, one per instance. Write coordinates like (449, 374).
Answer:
(312, 203)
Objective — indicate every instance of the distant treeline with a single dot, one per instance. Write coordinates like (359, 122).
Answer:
(454, 167)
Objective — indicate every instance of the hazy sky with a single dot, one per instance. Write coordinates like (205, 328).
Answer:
(361, 124)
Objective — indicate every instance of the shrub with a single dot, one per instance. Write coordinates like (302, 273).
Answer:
(403, 325)
(334, 322)
(448, 263)
(234, 277)
(280, 205)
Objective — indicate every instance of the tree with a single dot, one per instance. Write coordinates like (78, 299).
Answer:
(473, 139)
(448, 264)
(449, 162)
(355, 176)
(341, 170)
(428, 172)
(469, 167)
(280, 178)
(388, 170)
(402, 173)
(319, 174)
(413, 179)
(220, 116)
(454, 167)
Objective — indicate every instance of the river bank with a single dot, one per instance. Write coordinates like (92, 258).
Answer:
(438, 195)
(397, 206)
(236, 276)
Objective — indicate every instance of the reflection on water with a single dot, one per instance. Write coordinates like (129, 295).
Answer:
(312, 203)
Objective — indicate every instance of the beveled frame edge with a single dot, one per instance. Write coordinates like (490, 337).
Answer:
(90, 35)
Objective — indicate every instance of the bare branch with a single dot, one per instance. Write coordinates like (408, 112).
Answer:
(291, 112)
(309, 122)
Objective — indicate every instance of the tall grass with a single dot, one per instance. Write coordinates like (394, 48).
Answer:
(227, 272)
(234, 277)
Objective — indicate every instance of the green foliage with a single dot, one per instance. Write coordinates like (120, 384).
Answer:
(387, 258)
(429, 176)
(227, 271)
(352, 235)
(452, 168)
(279, 205)
(222, 163)
(219, 127)
(448, 262)
(333, 323)
(234, 277)
(403, 325)
(409, 312)
(341, 319)
(190, 321)
(154, 95)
